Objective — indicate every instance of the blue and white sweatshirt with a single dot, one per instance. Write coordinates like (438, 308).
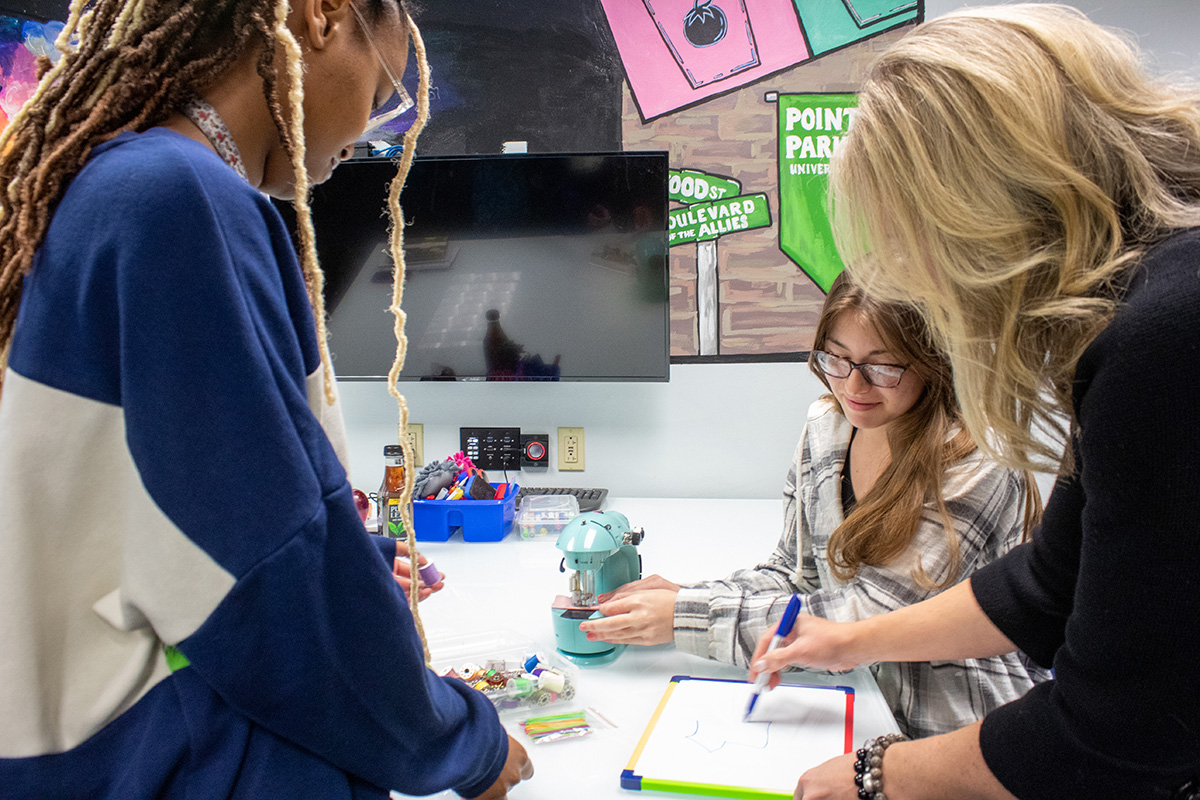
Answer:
(165, 480)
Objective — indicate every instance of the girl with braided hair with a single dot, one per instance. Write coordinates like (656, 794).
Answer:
(188, 599)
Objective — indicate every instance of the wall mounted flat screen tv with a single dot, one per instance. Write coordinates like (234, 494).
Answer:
(520, 267)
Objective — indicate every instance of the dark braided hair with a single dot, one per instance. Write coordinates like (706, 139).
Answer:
(136, 62)
(127, 65)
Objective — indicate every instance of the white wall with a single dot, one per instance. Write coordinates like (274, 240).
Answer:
(716, 430)
(1165, 30)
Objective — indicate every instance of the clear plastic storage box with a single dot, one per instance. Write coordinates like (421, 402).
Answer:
(513, 672)
(543, 516)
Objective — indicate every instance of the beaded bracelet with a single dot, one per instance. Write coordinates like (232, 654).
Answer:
(868, 769)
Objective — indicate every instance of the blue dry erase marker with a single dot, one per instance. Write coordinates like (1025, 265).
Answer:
(785, 627)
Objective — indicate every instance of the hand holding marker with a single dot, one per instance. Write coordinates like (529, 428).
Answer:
(785, 628)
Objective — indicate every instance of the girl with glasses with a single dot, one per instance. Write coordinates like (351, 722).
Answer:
(1017, 173)
(189, 600)
(888, 502)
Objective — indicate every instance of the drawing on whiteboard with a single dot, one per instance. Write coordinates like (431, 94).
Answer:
(713, 737)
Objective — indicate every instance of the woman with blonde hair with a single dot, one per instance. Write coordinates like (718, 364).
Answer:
(1015, 174)
(888, 502)
(190, 604)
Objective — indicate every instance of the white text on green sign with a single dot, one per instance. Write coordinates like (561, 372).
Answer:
(709, 220)
(833, 121)
(693, 186)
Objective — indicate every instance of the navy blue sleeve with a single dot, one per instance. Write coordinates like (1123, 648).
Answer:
(387, 549)
(314, 640)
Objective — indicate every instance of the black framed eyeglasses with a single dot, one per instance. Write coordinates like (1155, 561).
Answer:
(884, 376)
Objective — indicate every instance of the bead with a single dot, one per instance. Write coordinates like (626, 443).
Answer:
(868, 768)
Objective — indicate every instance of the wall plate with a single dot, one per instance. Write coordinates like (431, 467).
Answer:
(535, 450)
(416, 437)
(492, 448)
(570, 449)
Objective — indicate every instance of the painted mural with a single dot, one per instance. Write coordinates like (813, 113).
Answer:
(810, 126)
(740, 129)
(749, 98)
(21, 42)
(680, 52)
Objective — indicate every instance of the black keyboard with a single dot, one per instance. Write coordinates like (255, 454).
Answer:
(589, 499)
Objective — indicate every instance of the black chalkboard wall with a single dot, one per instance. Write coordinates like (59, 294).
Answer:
(542, 71)
(41, 10)
(546, 72)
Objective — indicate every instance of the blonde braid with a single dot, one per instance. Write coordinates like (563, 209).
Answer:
(397, 246)
(313, 277)
(133, 11)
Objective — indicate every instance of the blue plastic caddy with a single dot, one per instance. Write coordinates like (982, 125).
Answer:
(480, 520)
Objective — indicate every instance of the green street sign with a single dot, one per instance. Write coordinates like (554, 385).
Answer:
(690, 186)
(704, 221)
(810, 127)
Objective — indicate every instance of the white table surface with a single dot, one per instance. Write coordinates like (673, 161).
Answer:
(508, 586)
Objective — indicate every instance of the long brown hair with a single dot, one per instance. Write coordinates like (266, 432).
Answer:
(1005, 169)
(924, 442)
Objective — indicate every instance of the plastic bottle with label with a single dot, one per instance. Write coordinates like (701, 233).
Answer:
(391, 521)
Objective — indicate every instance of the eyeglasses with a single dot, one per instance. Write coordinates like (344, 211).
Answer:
(885, 376)
(400, 101)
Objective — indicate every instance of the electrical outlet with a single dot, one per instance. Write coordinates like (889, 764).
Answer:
(570, 449)
(416, 438)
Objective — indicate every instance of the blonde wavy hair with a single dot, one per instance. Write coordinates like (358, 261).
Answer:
(925, 442)
(1005, 170)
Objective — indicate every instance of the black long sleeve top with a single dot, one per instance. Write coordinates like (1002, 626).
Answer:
(1108, 590)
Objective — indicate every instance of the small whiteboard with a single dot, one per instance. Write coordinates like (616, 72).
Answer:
(698, 741)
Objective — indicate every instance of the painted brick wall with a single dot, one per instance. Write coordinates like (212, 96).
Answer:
(767, 305)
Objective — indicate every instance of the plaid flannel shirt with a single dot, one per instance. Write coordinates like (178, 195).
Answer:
(723, 620)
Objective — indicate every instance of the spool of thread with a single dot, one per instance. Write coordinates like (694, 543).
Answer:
(429, 573)
(552, 681)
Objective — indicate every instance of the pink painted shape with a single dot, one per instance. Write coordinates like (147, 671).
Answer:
(660, 86)
(734, 52)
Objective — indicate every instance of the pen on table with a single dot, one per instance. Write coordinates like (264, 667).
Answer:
(785, 627)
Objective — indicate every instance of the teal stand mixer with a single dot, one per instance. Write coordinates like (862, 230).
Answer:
(600, 549)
